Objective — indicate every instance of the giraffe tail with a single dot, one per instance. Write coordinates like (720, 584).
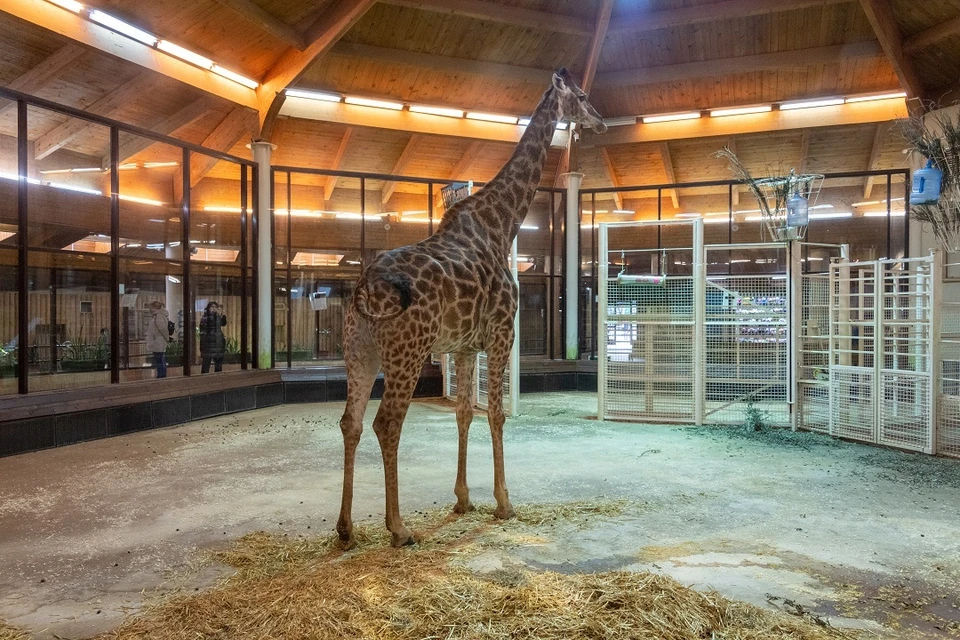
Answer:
(383, 297)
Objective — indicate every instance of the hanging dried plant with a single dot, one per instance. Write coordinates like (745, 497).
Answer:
(772, 193)
(936, 137)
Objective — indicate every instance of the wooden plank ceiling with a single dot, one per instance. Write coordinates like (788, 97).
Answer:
(650, 56)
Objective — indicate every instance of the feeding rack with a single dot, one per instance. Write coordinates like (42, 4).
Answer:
(772, 194)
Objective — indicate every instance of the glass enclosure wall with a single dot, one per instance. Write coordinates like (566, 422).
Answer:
(118, 221)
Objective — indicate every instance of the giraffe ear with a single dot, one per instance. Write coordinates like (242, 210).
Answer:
(558, 79)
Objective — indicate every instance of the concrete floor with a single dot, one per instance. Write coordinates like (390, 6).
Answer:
(88, 532)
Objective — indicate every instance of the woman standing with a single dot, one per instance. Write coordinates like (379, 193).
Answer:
(213, 345)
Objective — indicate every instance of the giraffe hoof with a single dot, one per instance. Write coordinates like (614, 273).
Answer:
(347, 543)
(403, 540)
(461, 508)
(504, 513)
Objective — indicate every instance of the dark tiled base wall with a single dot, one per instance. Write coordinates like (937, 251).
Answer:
(21, 436)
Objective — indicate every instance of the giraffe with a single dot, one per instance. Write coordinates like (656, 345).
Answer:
(451, 293)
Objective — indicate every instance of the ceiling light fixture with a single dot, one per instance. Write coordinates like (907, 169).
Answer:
(811, 104)
(492, 117)
(370, 102)
(671, 117)
(69, 5)
(879, 96)
(122, 27)
(185, 54)
(436, 111)
(236, 77)
(740, 111)
(313, 95)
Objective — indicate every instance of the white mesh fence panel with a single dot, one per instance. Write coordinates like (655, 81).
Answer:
(746, 348)
(948, 400)
(813, 354)
(852, 372)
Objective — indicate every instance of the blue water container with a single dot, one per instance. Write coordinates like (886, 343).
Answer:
(926, 185)
(797, 211)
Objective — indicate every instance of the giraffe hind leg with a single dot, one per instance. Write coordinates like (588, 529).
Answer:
(497, 359)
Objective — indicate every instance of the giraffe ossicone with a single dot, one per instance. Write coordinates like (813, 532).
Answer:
(451, 293)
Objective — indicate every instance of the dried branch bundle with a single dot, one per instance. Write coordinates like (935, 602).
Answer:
(936, 137)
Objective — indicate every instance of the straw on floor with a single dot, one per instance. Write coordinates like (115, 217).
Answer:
(306, 588)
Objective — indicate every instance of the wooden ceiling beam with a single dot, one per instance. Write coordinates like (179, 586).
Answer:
(725, 10)
(855, 113)
(459, 170)
(888, 34)
(495, 12)
(878, 137)
(441, 63)
(131, 145)
(668, 169)
(931, 36)
(68, 24)
(335, 21)
(596, 44)
(611, 176)
(42, 74)
(61, 135)
(266, 21)
(400, 167)
(796, 59)
(330, 184)
(237, 124)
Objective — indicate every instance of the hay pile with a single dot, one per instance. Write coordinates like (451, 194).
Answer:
(305, 588)
(11, 633)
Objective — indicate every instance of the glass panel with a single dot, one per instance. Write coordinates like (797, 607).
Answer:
(150, 186)
(67, 177)
(533, 316)
(533, 239)
(215, 214)
(8, 322)
(841, 214)
(69, 320)
(216, 316)
(143, 283)
(397, 215)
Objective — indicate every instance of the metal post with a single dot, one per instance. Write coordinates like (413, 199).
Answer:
(794, 328)
(515, 350)
(879, 283)
(264, 267)
(572, 266)
(936, 302)
(602, 308)
(23, 280)
(831, 309)
(114, 255)
(699, 321)
(185, 250)
(244, 258)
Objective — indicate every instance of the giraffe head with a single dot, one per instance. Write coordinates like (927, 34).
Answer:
(573, 102)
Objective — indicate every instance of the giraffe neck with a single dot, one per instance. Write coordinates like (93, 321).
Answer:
(512, 190)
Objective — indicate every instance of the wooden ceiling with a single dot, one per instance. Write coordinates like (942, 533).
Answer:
(643, 56)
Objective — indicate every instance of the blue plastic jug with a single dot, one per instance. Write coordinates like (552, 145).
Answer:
(926, 185)
(797, 211)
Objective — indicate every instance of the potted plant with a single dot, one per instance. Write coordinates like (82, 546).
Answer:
(174, 353)
(80, 355)
(8, 362)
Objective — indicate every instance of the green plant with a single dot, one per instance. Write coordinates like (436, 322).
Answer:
(174, 349)
(756, 419)
(231, 346)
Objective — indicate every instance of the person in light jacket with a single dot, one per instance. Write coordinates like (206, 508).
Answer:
(213, 344)
(158, 336)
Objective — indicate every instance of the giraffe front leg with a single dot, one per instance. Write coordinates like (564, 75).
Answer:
(398, 391)
(466, 364)
(496, 363)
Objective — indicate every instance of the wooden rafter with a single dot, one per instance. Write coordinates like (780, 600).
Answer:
(796, 59)
(321, 36)
(459, 170)
(612, 176)
(495, 12)
(240, 122)
(75, 27)
(878, 137)
(400, 167)
(42, 74)
(668, 169)
(440, 63)
(931, 36)
(725, 10)
(331, 182)
(888, 33)
(596, 43)
(61, 135)
(266, 21)
(132, 145)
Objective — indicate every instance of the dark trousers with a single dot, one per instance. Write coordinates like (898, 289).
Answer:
(205, 364)
(160, 361)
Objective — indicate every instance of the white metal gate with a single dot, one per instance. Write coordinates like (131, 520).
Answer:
(882, 336)
(651, 325)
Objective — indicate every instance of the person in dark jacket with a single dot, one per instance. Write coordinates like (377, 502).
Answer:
(212, 342)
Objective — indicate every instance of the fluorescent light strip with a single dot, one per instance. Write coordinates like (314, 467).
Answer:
(313, 95)
(122, 27)
(880, 96)
(492, 117)
(523, 122)
(157, 165)
(529, 227)
(185, 54)
(620, 122)
(223, 209)
(69, 5)
(831, 215)
(155, 203)
(436, 111)
(740, 111)
(629, 211)
(236, 77)
(883, 214)
(671, 117)
(370, 102)
(811, 104)
(70, 187)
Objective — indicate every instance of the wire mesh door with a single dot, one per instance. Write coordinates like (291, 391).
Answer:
(881, 352)
(650, 317)
(746, 334)
(948, 400)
